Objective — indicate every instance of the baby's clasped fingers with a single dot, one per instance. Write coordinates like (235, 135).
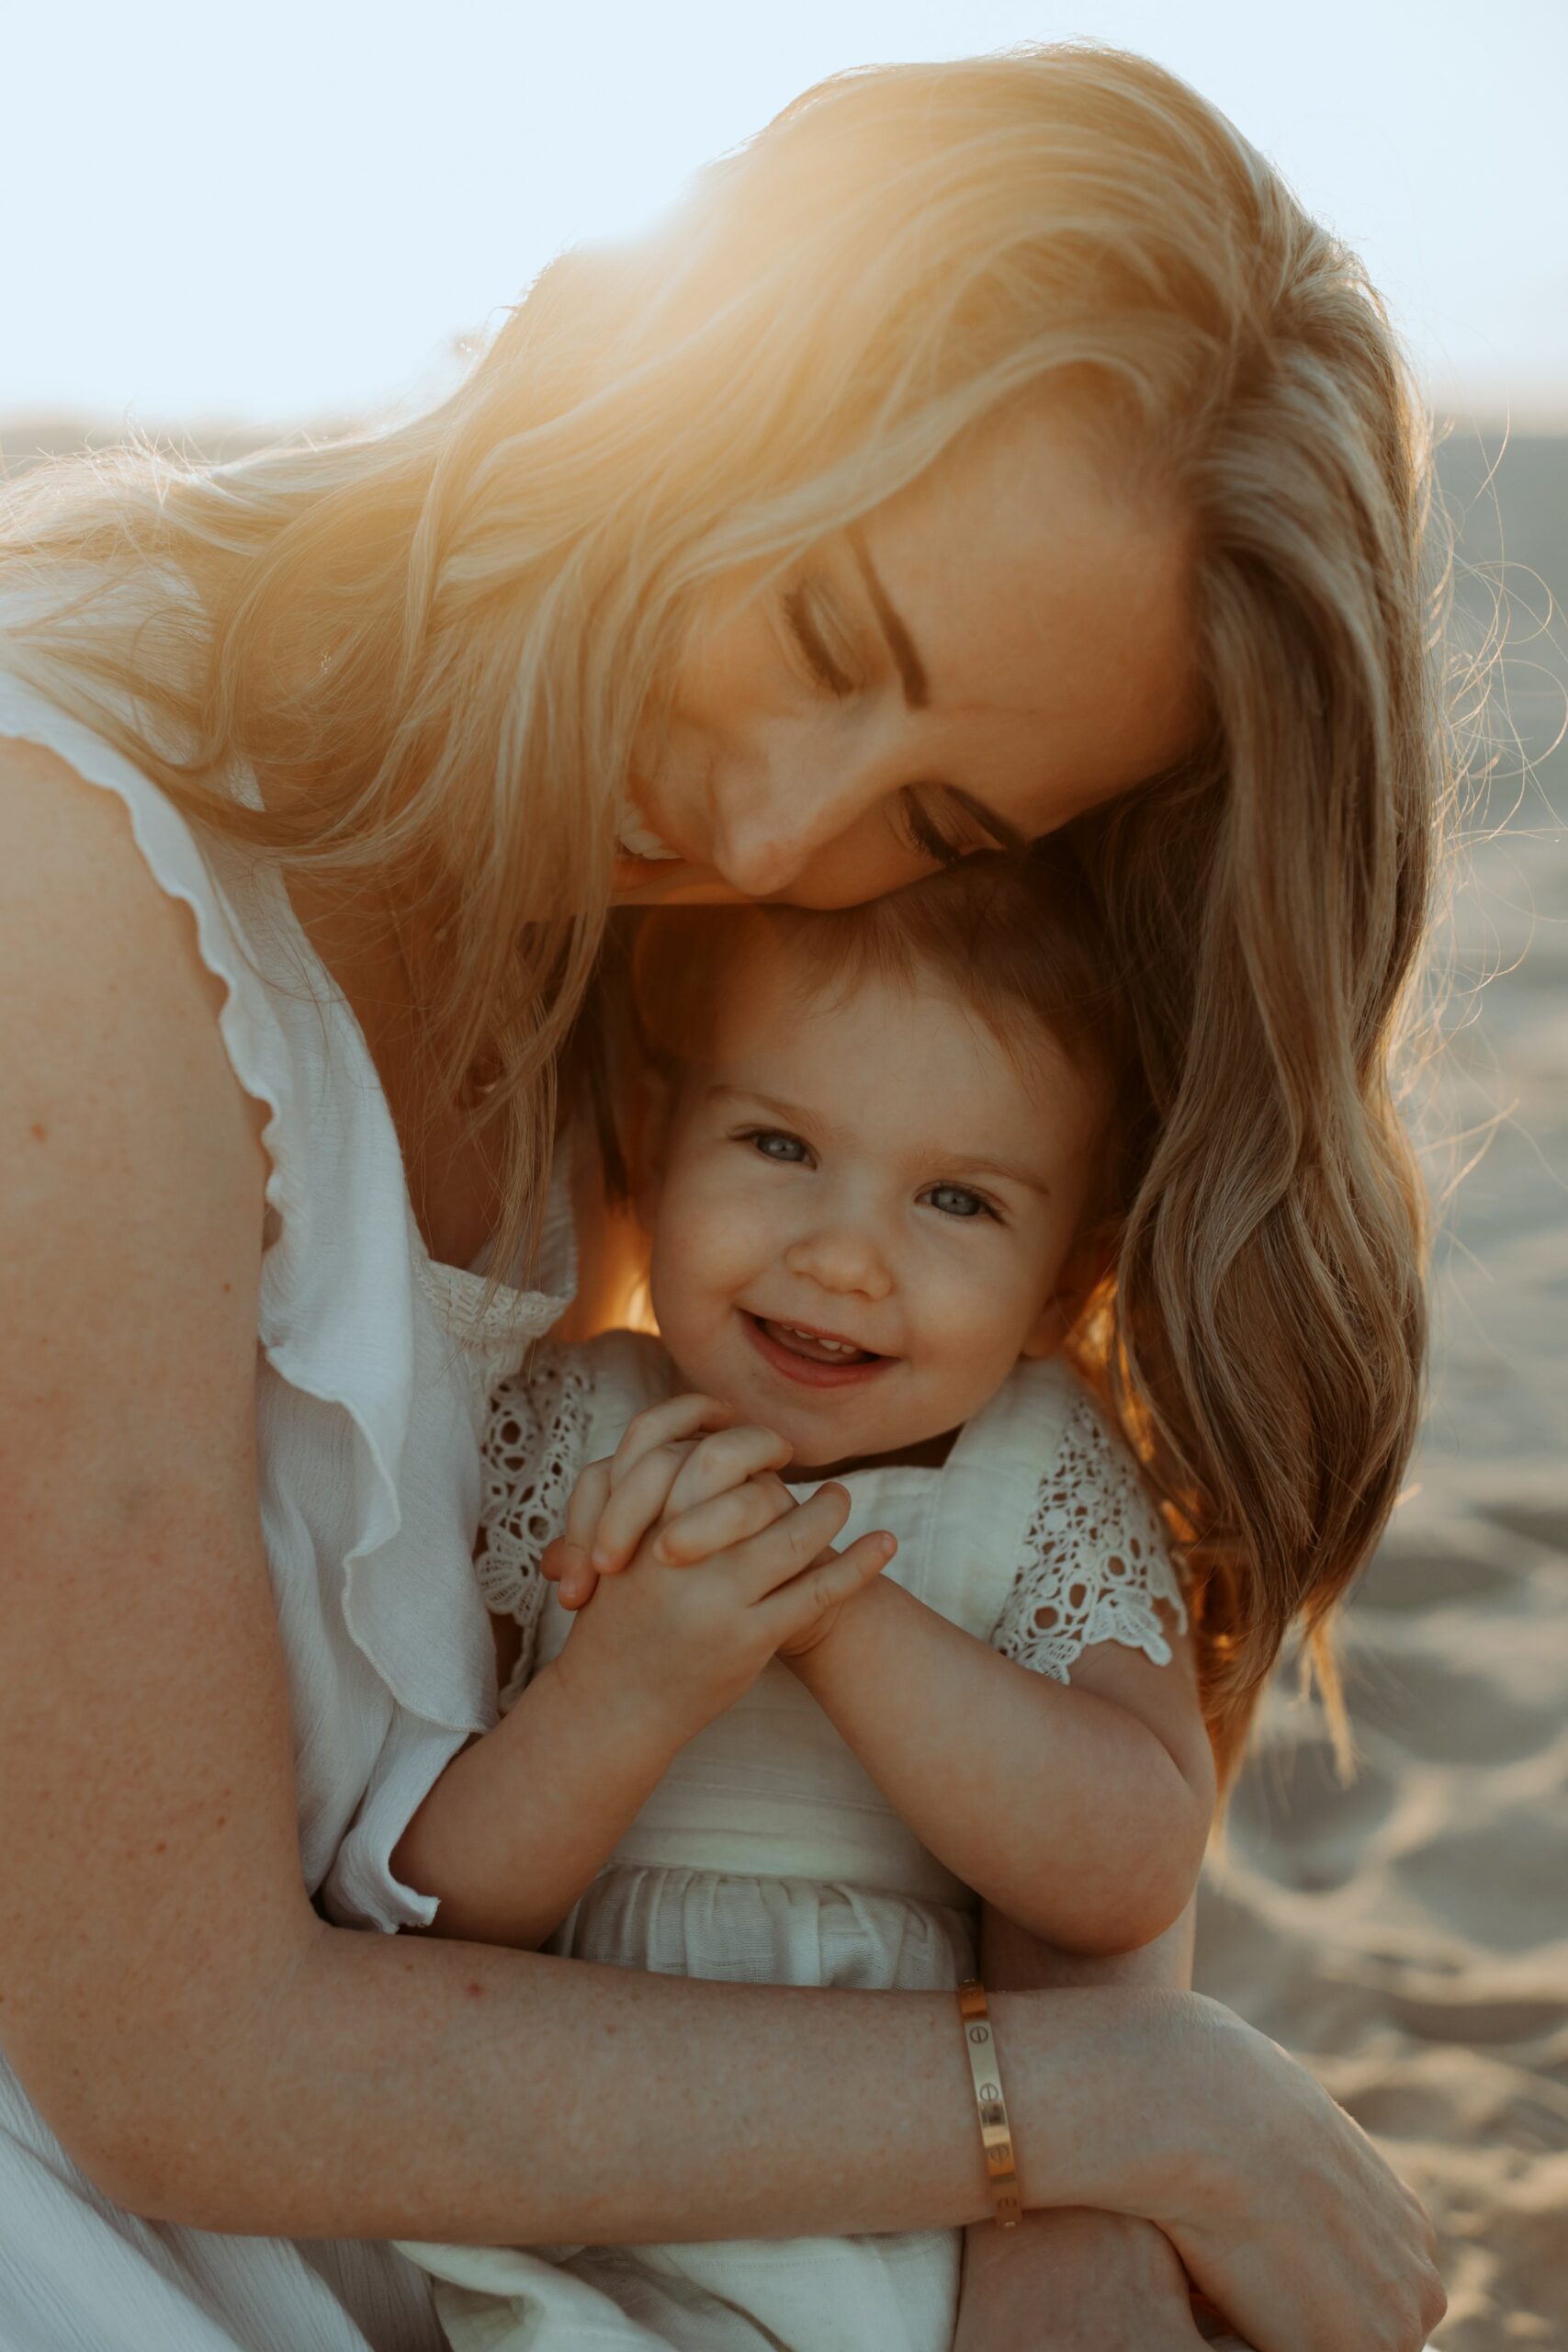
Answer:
(723, 1520)
(678, 1417)
(800, 1613)
(675, 1477)
(636, 1504)
(793, 1542)
(726, 1459)
(565, 1559)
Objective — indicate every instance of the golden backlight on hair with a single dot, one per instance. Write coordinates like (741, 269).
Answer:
(433, 645)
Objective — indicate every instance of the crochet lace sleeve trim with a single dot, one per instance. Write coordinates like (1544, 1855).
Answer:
(1096, 1564)
(534, 1442)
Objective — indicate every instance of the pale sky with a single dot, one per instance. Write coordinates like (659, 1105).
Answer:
(213, 213)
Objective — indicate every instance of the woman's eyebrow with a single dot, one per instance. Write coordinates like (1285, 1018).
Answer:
(901, 644)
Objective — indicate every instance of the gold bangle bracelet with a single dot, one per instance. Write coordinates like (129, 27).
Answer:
(996, 2131)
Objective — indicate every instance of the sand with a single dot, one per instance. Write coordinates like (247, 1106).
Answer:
(1407, 1936)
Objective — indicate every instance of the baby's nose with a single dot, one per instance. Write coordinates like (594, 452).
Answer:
(841, 1260)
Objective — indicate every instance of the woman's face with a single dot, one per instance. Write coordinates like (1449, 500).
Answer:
(1000, 647)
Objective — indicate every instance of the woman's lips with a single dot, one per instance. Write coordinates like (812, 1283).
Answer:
(810, 1370)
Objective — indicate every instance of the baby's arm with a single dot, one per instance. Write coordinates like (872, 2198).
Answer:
(661, 1651)
(1080, 1810)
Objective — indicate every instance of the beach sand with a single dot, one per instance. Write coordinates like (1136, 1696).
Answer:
(1407, 1935)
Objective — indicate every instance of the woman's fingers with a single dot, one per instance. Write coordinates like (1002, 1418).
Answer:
(679, 1417)
(800, 1613)
(721, 1522)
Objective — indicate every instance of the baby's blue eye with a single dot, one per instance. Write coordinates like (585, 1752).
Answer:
(773, 1146)
(952, 1200)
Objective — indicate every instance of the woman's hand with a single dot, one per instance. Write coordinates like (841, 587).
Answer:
(1282, 2209)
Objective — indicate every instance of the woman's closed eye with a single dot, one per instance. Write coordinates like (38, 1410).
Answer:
(936, 822)
(821, 647)
(958, 1200)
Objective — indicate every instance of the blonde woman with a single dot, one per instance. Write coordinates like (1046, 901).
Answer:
(990, 448)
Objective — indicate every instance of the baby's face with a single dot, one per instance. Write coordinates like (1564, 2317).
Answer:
(865, 1211)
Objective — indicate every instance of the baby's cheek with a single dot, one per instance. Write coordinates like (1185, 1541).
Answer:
(969, 1342)
(696, 1267)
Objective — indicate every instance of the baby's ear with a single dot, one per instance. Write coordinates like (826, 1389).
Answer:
(1050, 1327)
(1080, 1274)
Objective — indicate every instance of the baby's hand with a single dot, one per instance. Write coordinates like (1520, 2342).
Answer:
(673, 1645)
(617, 1502)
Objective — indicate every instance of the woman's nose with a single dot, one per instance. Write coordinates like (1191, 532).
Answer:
(840, 1260)
(765, 837)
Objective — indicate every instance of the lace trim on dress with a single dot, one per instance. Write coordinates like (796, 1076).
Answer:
(1096, 1560)
(533, 1447)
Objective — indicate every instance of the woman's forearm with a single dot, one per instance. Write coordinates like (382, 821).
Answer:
(403, 2087)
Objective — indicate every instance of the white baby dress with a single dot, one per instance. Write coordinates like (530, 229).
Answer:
(767, 1855)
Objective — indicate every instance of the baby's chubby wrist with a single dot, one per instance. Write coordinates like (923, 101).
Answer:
(643, 1715)
(850, 1634)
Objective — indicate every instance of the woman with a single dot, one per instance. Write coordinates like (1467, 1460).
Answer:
(990, 448)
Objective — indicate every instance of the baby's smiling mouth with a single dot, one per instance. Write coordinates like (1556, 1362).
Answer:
(810, 1346)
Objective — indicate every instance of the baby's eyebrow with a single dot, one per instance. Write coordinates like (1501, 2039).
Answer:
(1002, 1168)
(794, 1114)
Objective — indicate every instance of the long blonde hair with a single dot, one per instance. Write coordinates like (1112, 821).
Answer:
(431, 644)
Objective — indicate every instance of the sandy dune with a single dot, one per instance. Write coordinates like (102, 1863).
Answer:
(1409, 1937)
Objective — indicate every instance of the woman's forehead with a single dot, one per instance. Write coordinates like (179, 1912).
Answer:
(1052, 619)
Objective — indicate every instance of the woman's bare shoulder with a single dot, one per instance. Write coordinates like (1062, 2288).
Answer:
(121, 1100)
(76, 892)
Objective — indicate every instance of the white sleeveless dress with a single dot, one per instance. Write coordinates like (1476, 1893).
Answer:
(373, 1370)
(767, 1855)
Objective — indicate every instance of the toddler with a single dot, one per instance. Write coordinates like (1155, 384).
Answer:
(882, 1165)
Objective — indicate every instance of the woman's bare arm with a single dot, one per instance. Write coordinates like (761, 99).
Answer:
(206, 2048)
(1072, 2280)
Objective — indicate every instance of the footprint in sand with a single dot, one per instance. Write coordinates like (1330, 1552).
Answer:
(1291, 1821)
